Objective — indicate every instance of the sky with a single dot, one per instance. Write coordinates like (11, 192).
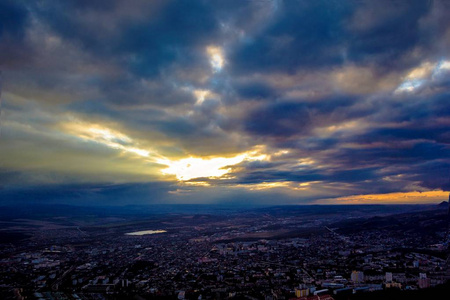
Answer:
(237, 102)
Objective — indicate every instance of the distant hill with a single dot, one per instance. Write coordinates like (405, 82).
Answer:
(443, 204)
(426, 222)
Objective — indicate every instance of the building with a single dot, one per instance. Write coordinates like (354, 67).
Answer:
(388, 277)
(424, 282)
(396, 285)
(301, 292)
(357, 276)
(316, 297)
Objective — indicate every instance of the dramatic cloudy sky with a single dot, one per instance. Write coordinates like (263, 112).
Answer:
(245, 102)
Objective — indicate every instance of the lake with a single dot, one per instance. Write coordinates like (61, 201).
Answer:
(145, 232)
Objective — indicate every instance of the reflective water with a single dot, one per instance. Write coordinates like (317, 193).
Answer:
(145, 232)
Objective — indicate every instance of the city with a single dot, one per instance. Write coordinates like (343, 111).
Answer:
(266, 253)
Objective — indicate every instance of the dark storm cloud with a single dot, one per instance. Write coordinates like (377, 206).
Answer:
(315, 85)
(170, 33)
(270, 172)
(397, 135)
(382, 35)
(322, 34)
(13, 18)
(434, 174)
(408, 137)
(280, 120)
(88, 194)
(13, 21)
(313, 29)
(283, 119)
(134, 91)
(255, 90)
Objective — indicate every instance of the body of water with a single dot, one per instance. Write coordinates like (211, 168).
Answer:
(145, 232)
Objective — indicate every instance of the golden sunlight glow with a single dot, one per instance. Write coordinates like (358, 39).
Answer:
(281, 153)
(424, 70)
(420, 75)
(192, 167)
(306, 161)
(200, 95)
(350, 126)
(343, 126)
(290, 185)
(216, 58)
(184, 169)
(105, 136)
(196, 167)
(416, 77)
(391, 198)
(444, 65)
(269, 185)
(197, 183)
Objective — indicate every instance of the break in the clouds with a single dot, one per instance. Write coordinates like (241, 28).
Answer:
(262, 102)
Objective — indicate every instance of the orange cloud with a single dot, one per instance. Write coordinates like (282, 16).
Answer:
(391, 198)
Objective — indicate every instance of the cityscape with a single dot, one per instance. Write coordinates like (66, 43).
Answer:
(327, 252)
